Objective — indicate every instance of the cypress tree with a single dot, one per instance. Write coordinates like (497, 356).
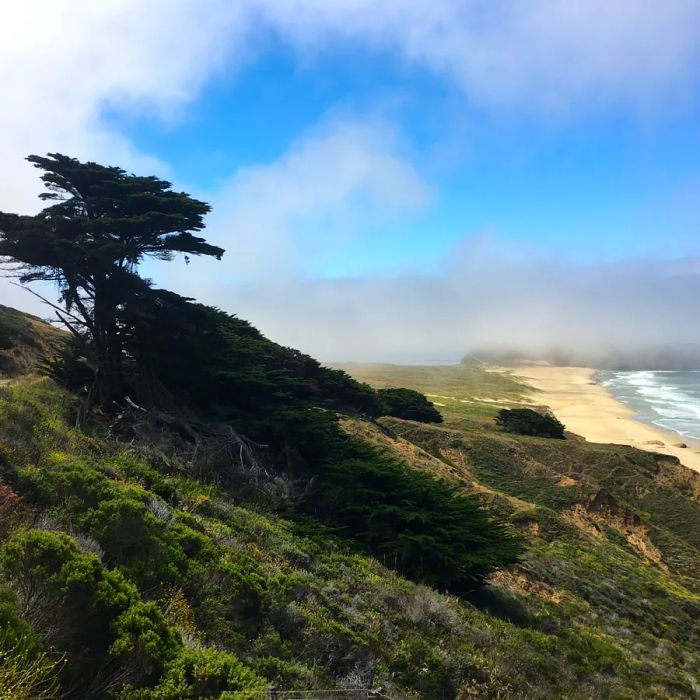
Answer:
(101, 223)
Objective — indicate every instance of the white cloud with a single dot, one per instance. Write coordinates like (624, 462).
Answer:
(339, 177)
(63, 63)
(535, 55)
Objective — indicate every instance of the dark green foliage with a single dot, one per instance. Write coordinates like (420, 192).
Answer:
(421, 526)
(123, 521)
(217, 363)
(68, 365)
(408, 404)
(203, 674)
(525, 421)
(91, 614)
(89, 243)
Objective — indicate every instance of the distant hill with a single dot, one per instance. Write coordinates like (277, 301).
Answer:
(24, 341)
(681, 358)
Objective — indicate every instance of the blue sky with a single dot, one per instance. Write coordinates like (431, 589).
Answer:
(357, 145)
(604, 182)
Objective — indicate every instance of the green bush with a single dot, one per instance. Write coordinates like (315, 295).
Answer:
(88, 612)
(525, 421)
(148, 549)
(26, 673)
(231, 594)
(202, 674)
(408, 404)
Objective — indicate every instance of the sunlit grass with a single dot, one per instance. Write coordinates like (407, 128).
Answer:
(468, 390)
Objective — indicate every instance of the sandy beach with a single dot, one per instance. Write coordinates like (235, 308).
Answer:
(588, 409)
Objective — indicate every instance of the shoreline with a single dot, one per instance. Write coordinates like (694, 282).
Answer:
(588, 409)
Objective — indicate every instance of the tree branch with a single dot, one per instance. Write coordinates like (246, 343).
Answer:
(56, 308)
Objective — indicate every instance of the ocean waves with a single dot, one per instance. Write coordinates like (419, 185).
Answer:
(668, 399)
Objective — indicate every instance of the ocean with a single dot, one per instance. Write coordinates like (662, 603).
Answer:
(667, 399)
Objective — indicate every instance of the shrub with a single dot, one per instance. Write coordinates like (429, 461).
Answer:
(525, 421)
(25, 672)
(117, 517)
(135, 540)
(408, 404)
(231, 595)
(84, 610)
(73, 485)
(202, 674)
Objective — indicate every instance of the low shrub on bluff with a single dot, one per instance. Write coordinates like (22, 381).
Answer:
(202, 673)
(525, 421)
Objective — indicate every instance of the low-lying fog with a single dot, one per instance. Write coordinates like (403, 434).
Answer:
(636, 314)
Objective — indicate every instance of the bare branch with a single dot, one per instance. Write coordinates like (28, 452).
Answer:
(57, 308)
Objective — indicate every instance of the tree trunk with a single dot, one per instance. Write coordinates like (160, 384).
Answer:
(107, 383)
(108, 365)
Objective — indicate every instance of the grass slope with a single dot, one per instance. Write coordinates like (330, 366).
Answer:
(614, 534)
(300, 611)
(466, 390)
(25, 341)
(605, 603)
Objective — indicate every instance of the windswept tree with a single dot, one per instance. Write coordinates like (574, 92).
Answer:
(102, 222)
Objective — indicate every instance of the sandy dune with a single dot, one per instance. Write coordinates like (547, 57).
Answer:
(588, 409)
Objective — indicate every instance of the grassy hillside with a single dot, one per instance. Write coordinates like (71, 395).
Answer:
(25, 341)
(133, 568)
(614, 532)
(239, 588)
(466, 390)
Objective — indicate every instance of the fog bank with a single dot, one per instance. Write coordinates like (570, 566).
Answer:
(636, 314)
(632, 314)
